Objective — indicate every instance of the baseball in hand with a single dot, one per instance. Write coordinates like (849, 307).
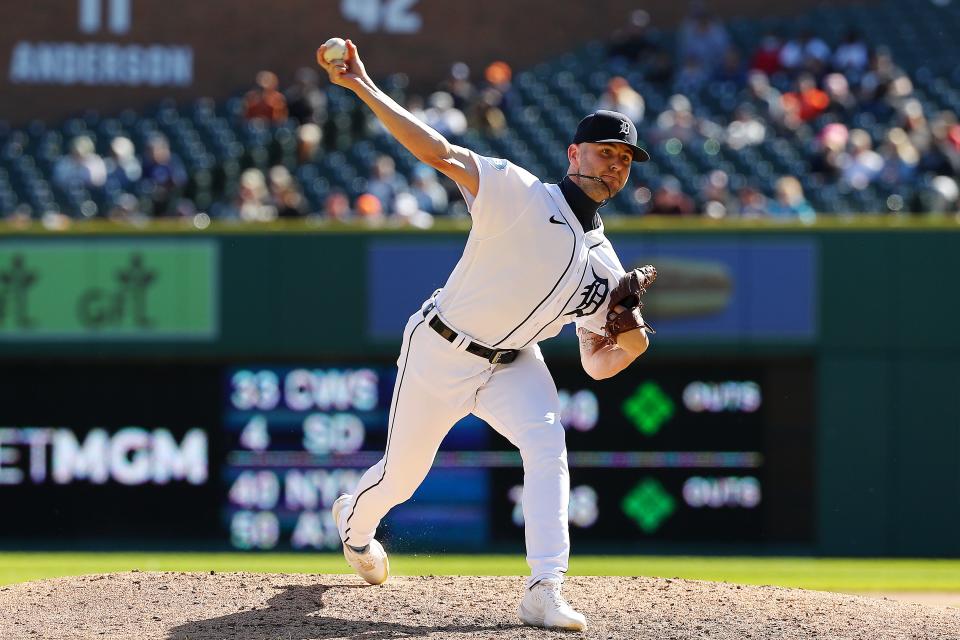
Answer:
(336, 50)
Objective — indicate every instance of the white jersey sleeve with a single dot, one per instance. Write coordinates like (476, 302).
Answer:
(505, 192)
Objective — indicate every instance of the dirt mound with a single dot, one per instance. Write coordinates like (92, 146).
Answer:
(249, 606)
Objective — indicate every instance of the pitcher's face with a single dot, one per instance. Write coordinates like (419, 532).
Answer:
(609, 161)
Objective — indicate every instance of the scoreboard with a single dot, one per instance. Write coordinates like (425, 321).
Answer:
(297, 438)
(252, 455)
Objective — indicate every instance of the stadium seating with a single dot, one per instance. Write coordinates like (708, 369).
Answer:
(215, 143)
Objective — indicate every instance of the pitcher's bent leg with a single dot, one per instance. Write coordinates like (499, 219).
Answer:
(418, 421)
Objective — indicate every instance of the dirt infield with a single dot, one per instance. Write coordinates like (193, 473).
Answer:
(932, 598)
(248, 606)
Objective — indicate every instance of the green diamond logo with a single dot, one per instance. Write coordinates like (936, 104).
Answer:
(649, 505)
(648, 408)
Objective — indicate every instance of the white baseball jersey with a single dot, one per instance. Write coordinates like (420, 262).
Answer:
(528, 267)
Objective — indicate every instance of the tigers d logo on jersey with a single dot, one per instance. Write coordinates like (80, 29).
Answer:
(591, 297)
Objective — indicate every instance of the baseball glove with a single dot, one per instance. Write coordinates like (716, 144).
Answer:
(623, 311)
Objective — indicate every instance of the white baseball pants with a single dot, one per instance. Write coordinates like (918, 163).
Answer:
(437, 384)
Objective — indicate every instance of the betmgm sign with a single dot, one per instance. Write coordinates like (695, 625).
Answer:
(130, 456)
(101, 63)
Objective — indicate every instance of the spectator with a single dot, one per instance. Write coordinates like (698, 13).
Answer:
(941, 196)
(660, 68)
(408, 213)
(284, 195)
(943, 155)
(363, 124)
(745, 129)
(876, 83)
(914, 123)
(677, 121)
(306, 102)
(900, 158)
(951, 130)
(767, 56)
(309, 136)
(703, 41)
(415, 105)
(429, 193)
(53, 219)
(900, 93)
(126, 208)
(805, 53)
(264, 102)
(805, 102)
(829, 151)
(715, 195)
(185, 208)
(852, 56)
(669, 199)
(731, 68)
(843, 104)
(20, 217)
(336, 206)
(251, 203)
(751, 203)
(82, 167)
(790, 201)
(861, 166)
(691, 76)
(499, 76)
(486, 114)
(385, 183)
(633, 44)
(764, 96)
(123, 167)
(620, 96)
(163, 175)
(370, 208)
(443, 116)
(458, 85)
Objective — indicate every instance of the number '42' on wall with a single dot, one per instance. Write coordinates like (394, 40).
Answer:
(391, 16)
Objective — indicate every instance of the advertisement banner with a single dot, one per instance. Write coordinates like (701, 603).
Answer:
(707, 290)
(102, 290)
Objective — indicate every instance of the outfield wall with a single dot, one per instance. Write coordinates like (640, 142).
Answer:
(854, 325)
(58, 59)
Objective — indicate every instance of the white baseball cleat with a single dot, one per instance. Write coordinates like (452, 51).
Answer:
(371, 564)
(543, 606)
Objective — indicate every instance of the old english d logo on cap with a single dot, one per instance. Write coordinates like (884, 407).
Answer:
(610, 126)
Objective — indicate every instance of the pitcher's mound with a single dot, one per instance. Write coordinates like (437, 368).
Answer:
(255, 606)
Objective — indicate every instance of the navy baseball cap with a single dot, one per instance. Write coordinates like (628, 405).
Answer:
(610, 126)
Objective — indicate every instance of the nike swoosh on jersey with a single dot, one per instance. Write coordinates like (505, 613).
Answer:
(555, 221)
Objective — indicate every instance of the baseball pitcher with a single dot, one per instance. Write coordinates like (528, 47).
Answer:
(536, 259)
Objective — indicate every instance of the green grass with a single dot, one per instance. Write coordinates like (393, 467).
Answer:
(828, 574)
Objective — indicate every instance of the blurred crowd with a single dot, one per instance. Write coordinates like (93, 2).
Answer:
(846, 105)
(154, 182)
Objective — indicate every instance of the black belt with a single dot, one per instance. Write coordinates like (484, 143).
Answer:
(493, 356)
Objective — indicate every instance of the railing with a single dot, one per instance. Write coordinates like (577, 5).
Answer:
(613, 223)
